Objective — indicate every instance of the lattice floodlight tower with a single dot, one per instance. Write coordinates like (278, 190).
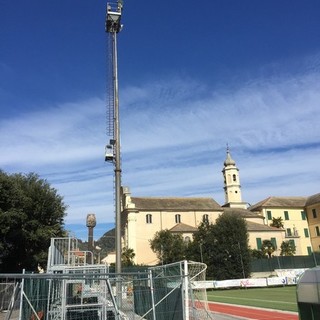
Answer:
(113, 23)
(112, 151)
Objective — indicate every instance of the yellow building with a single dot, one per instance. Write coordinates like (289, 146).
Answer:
(257, 230)
(294, 218)
(142, 217)
(312, 209)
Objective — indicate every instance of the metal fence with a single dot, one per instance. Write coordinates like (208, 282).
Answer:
(81, 294)
(285, 262)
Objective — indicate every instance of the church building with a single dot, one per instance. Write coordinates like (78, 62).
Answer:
(142, 217)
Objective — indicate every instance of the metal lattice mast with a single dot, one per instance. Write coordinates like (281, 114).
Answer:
(113, 27)
(110, 88)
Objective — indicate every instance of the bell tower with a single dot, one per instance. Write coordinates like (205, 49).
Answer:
(232, 187)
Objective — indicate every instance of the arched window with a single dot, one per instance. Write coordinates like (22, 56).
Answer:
(178, 218)
(148, 218)
(205, 218)
(234, 177)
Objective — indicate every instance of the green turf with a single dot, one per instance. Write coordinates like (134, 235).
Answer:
(280, 298)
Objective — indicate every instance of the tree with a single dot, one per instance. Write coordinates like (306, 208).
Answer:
(268, 248)
(127, 257)
(288, 248)
(203, 247)
(256, 254)
(233, 261)
(223, 247)
(168, 246)
(277, 223)
(31, 213)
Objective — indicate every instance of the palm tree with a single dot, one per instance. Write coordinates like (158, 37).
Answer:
(268, 248)
(277, 223)
(127, 257)
(288, 248)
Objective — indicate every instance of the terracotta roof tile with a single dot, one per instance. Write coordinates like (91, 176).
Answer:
(253, 226)
(182, 227)
(280, 202)
(179, 204)
(314, 199)
(242, 212)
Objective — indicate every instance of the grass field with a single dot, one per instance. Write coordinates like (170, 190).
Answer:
(280, 298)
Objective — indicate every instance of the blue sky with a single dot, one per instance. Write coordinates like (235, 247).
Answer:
(193, 77)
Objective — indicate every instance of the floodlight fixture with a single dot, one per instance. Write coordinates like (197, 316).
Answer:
(113, 20)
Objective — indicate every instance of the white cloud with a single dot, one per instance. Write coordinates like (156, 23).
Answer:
(174, 134)
(55, 135)
(278, 112)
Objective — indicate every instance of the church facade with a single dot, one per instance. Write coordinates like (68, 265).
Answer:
(142, 217)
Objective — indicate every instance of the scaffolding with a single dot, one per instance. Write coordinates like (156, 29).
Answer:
(73, 289)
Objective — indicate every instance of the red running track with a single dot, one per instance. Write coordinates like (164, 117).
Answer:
(251, 313)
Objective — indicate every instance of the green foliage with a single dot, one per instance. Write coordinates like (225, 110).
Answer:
(127, 257)
(168, 246)
(277, 223)
(223, 246)
(203, 247)
(288, 248)
(257, 254)
(267, 248)
(31, 213)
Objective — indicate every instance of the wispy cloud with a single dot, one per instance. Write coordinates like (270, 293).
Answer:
(174, 133)
(67, 133)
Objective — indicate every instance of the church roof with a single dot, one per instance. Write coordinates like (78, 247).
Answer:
(242, 212)
(172, 204)
(314, 199)
(253, 226)
(282, 202)
(182, 227)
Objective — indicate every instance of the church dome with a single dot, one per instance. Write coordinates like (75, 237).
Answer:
(229, 161)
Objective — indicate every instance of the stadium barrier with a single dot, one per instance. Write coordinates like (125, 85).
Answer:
(286, 277)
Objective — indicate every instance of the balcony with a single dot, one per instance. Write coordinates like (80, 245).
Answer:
(292, 233)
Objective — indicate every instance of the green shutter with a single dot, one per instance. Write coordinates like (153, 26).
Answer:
(306, 232)
(274, 242)
(269, 215)
(303, 215)
(309, 251)
(259, 243)
(286, 215)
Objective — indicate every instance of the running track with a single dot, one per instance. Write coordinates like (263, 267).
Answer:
(251, 313)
